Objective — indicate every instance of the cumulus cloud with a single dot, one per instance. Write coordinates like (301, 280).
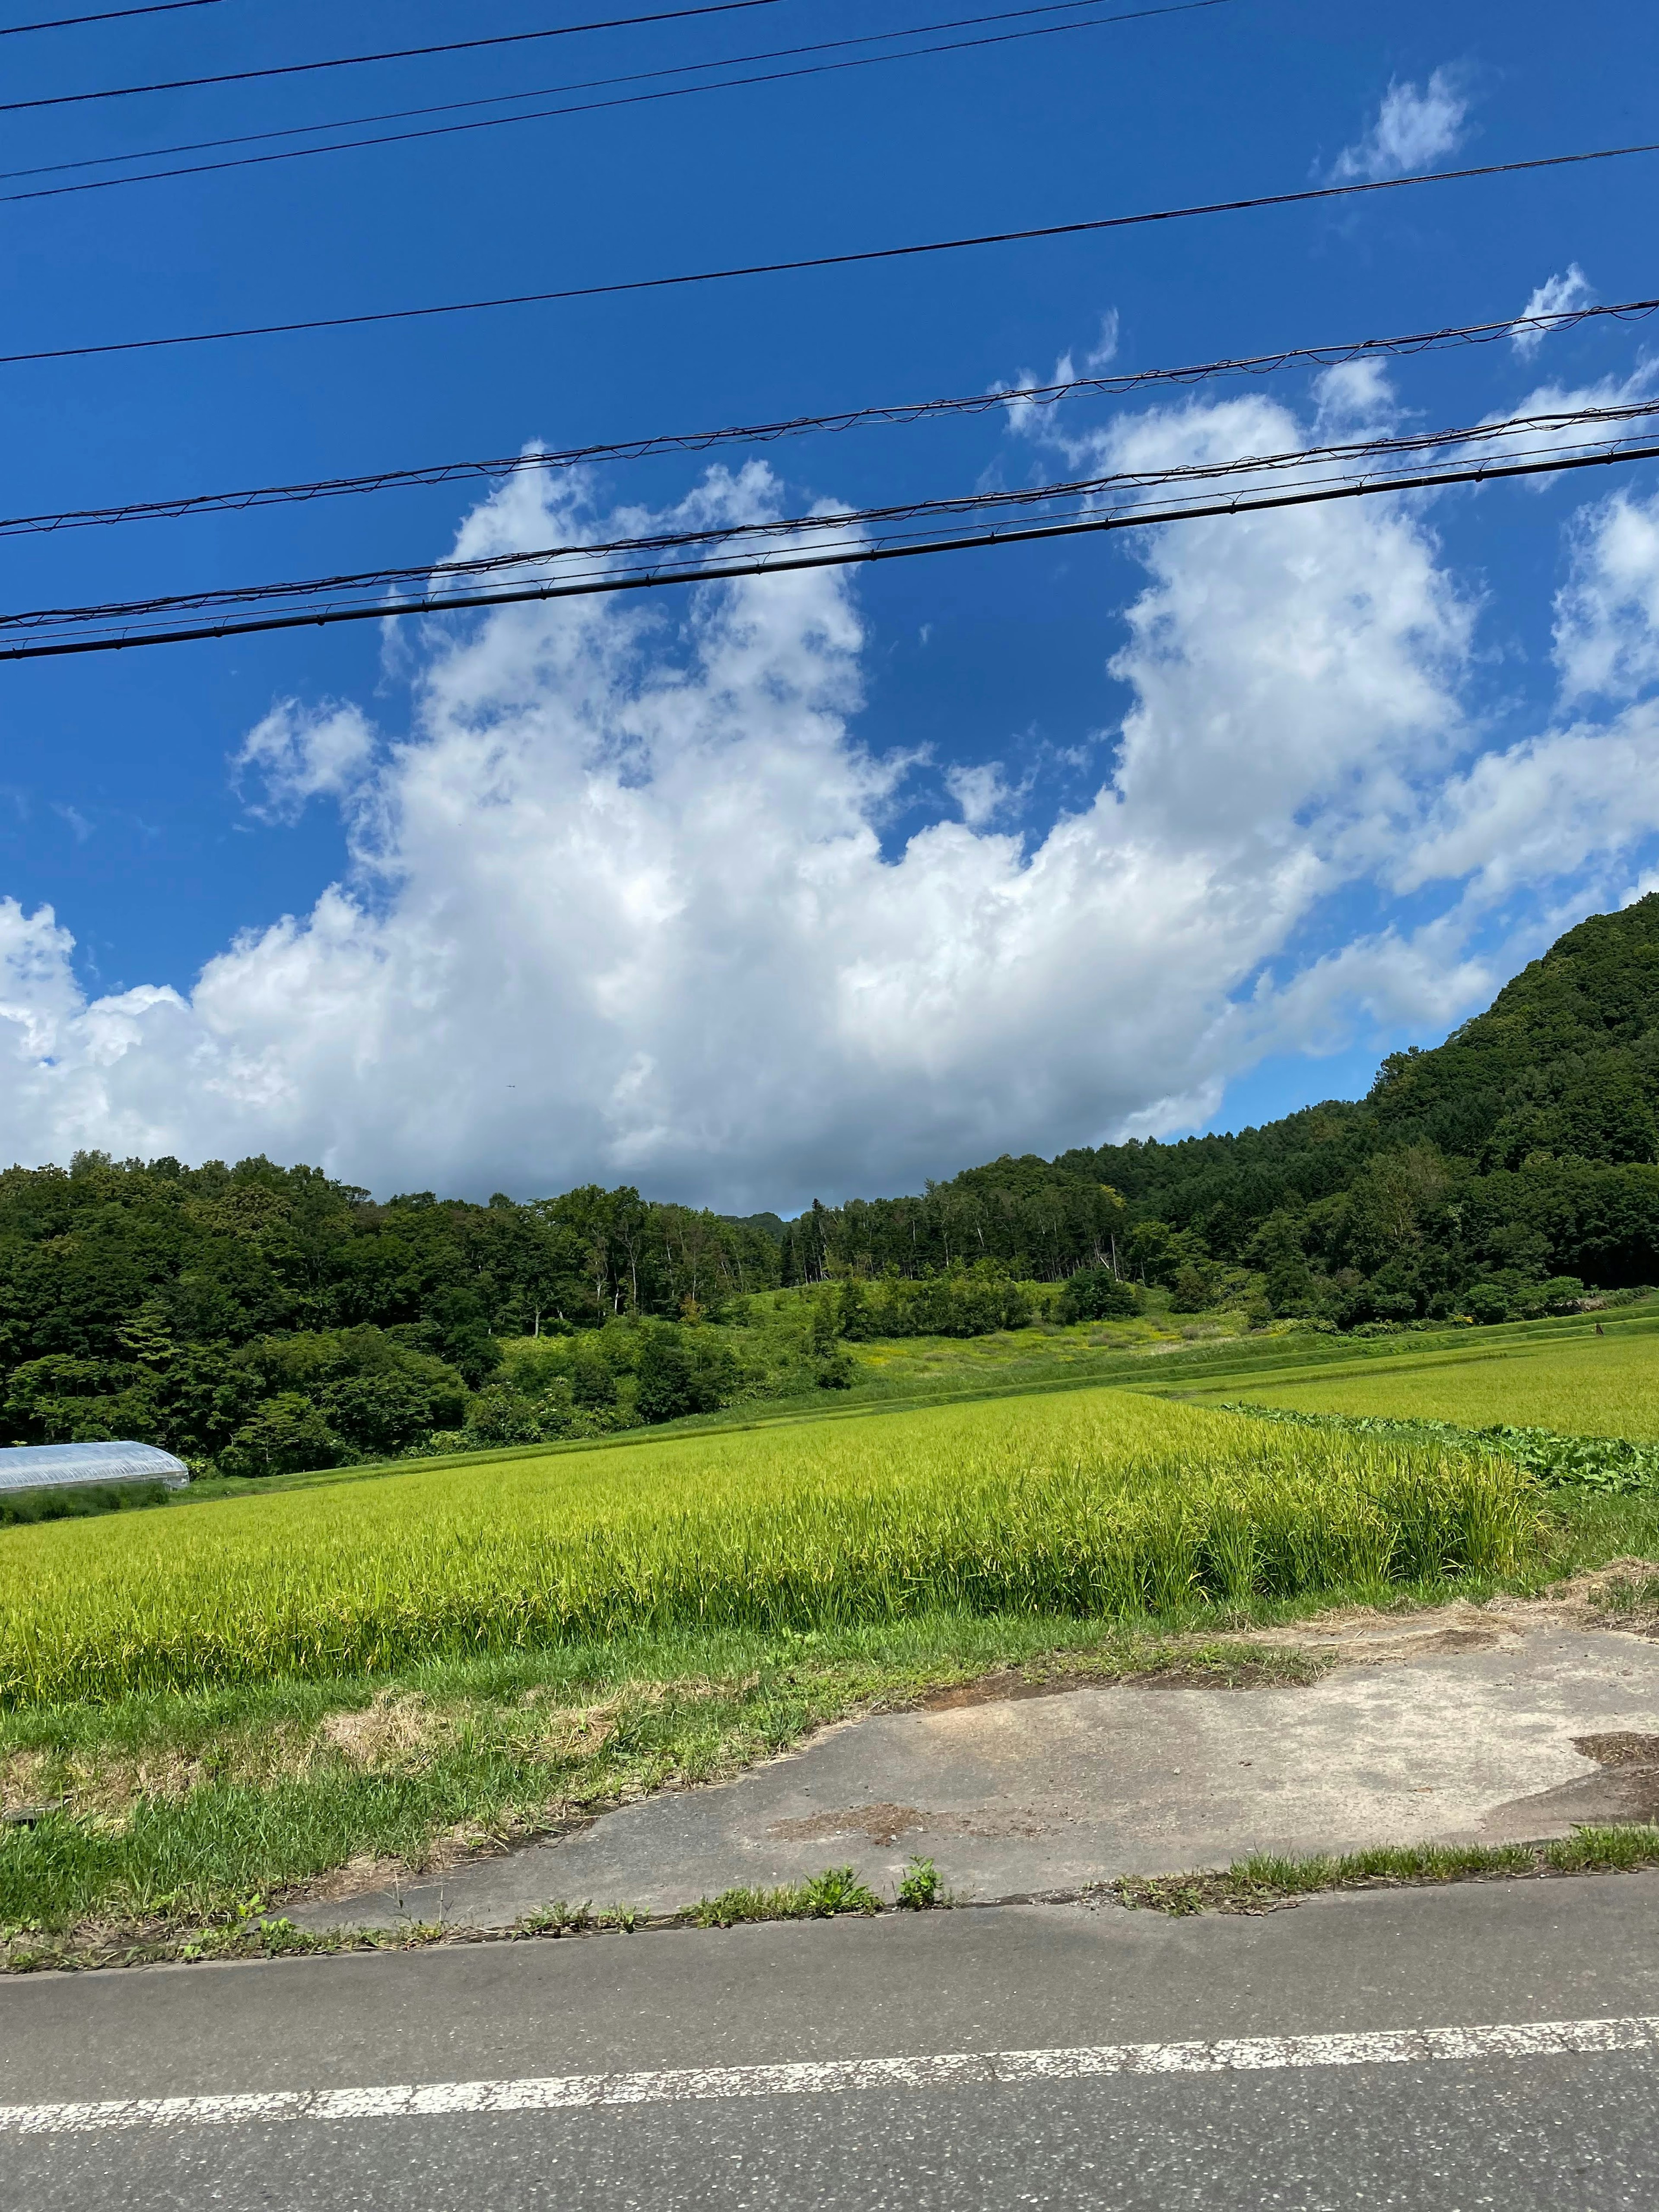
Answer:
(295, 754)
(982, 793)
(1541, 810)
(1412, 129)
(619, 906)
(1558, 296)
(1606, 614)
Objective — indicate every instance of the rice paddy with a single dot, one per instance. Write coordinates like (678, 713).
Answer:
(1097, 1503)
(1585, 1385)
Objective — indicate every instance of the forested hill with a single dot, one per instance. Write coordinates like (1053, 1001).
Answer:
(206, 1308)
(1474, 1177)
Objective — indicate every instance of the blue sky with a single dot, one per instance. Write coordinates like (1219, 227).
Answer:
(785, 891)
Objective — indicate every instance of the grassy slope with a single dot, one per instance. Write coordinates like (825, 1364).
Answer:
(1595, 1386)
(1167, 1354)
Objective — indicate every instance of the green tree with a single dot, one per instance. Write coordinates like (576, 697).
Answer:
(287, 1436)
(1095, 1294)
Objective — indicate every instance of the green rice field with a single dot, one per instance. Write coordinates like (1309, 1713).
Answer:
(1584, 1385)
(1095, 1503)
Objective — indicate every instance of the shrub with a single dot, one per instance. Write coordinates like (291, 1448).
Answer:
(1095, 1294)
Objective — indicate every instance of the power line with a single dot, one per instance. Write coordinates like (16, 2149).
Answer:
(580, 108)
(834, 558)
(109, 16)
(897, 412)
(855, 547)
(826, 260)
(389, 54)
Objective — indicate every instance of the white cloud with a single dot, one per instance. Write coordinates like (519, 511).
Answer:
(620, 908)
(1353, 396)
(297, 754)
(1606, 614)
(1558, 296)
(1412, 129)
(982, 792)
(1103, 352)
(1543, 809)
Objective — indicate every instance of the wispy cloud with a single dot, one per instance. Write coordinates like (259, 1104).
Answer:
(1413, 129)
(297, 754)
(1559, 295)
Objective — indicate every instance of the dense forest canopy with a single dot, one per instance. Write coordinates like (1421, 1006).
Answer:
(1498, 1174)
(261, 1316)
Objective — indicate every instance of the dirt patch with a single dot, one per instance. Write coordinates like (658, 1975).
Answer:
(990, 1689)
(881, 1824)
(888, 1823)
(1201, 1666)
(22, 1788)
(1619, 1748)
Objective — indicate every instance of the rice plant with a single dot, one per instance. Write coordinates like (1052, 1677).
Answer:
(1101, 1503)
(1584, 1385)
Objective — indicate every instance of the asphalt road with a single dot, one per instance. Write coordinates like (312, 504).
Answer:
(1505, 2120)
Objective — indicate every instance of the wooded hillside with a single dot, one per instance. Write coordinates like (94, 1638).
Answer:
(264, 1316)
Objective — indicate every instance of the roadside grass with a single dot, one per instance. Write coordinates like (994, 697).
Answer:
(1263, 1882)
(169, 1811)
(837, 1890)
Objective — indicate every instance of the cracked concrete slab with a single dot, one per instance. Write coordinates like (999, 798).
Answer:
(1483, 1730)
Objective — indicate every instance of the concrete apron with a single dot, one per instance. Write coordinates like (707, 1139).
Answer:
(1489, 1733)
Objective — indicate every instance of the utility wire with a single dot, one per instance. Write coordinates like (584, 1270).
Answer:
(389, 54)
(597, 571)
(579, 107)
(108, 15)
(851, 418)
(827, 260)
(778, 564)
(535, 91)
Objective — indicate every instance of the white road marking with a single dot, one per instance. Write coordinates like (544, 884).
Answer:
(1543, 2038)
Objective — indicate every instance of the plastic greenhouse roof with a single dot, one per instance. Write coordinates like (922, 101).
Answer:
(57, 1467)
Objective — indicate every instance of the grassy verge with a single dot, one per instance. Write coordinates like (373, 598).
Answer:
(1263, 1883)
(161, 1816)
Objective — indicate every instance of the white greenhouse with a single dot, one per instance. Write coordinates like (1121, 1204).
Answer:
(62, 1466)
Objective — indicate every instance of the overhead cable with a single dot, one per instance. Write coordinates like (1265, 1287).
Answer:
(1112, 385)
(836, 557)
(586, 106)
(106, 15)
(374, 317)
(388, 54)
(849, 539)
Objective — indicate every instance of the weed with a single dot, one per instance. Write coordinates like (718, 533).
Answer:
(837, 1890)
(1263, 1882)
(919, 1888)
(557, 1919)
